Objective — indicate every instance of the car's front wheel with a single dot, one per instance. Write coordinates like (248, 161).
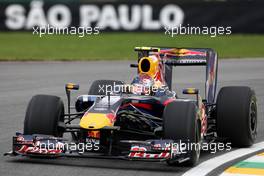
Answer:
(44, 112)
(180, 123)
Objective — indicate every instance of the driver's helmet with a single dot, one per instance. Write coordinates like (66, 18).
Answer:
(142, 85)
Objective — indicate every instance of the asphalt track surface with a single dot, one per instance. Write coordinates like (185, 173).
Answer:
(19, 81)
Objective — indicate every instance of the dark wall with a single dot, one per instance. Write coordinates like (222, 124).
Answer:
(138, 15)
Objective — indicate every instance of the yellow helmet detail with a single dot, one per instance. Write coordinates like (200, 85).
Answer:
(148, 65)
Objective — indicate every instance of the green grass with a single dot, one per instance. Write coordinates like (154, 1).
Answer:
(109, 46)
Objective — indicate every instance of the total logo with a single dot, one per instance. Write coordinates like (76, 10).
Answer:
(108, 16)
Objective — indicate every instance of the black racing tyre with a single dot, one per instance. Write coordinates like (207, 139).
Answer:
(180, 123)
(236, 111)
(43, 114)
(100, 87)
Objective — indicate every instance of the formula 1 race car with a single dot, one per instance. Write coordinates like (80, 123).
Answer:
(144, 120)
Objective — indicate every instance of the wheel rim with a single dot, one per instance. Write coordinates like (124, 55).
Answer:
(253, 119)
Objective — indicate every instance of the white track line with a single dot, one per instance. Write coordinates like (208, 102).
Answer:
(257, 159)
(209, 165)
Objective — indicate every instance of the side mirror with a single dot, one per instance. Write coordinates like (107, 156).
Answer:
(134, 65)
(68, 88)
(72, 86)
(192, 91)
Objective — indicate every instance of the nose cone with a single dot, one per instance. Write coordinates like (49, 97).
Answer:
(95, 121)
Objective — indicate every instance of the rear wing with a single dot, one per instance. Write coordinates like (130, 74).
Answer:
(171, 56)
(176, 56)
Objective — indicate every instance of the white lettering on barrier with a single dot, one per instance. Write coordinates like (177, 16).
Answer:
(122, 17)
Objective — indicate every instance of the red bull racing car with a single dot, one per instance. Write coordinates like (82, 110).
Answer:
(143, 120)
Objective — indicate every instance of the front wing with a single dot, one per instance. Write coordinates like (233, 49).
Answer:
(50, 146)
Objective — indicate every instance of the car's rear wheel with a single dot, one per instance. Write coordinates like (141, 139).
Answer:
(237, 115)
(180, 123)
(44, 112)
(101, 87)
